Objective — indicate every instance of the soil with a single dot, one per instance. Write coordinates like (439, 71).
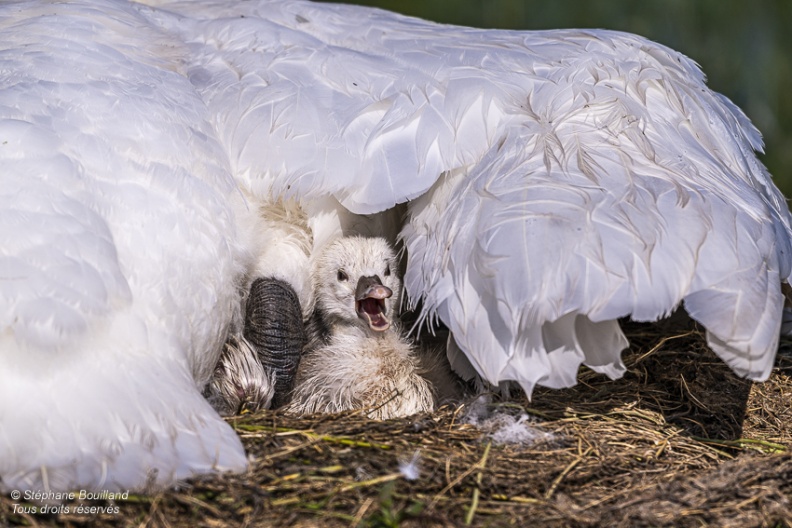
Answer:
(678, 441)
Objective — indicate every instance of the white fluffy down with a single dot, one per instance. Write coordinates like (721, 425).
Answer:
(240, 382)
(379, 374)
(502, 427)
(353, 366)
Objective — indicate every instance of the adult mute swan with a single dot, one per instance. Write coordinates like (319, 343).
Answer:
(554, 181)
(120, 259)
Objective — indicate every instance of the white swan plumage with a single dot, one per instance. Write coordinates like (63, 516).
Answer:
(118, 255)
(555, 181)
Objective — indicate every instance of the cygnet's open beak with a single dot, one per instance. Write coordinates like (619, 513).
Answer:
(370, 297)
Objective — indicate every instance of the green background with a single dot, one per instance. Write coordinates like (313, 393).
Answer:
(744, 47)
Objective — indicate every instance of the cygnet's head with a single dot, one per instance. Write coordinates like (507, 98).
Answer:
(356, 282)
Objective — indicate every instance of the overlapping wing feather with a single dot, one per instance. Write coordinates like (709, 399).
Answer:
(587, 175)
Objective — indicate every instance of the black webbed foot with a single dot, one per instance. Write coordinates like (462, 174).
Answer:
(274, 329)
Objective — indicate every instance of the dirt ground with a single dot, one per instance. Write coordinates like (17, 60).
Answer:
(679, 441)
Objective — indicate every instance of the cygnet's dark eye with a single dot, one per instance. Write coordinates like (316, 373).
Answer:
(342, 276)
(387, 270)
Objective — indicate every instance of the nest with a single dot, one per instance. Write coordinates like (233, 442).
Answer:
(679, 441)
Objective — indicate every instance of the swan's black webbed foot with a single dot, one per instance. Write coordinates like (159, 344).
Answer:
(257, 370)
(274, 329)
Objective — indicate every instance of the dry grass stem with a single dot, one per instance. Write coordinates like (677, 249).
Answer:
(679, 441)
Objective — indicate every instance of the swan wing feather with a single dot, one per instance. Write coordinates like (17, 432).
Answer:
(116, 249)
(559, 180)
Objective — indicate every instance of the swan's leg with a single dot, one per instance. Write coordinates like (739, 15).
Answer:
(274, 329)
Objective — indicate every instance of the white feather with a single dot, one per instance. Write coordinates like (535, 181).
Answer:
(590, 175)
(556, 181)
(118, 255)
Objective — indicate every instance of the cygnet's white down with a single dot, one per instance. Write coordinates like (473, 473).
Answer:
(358, 357)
